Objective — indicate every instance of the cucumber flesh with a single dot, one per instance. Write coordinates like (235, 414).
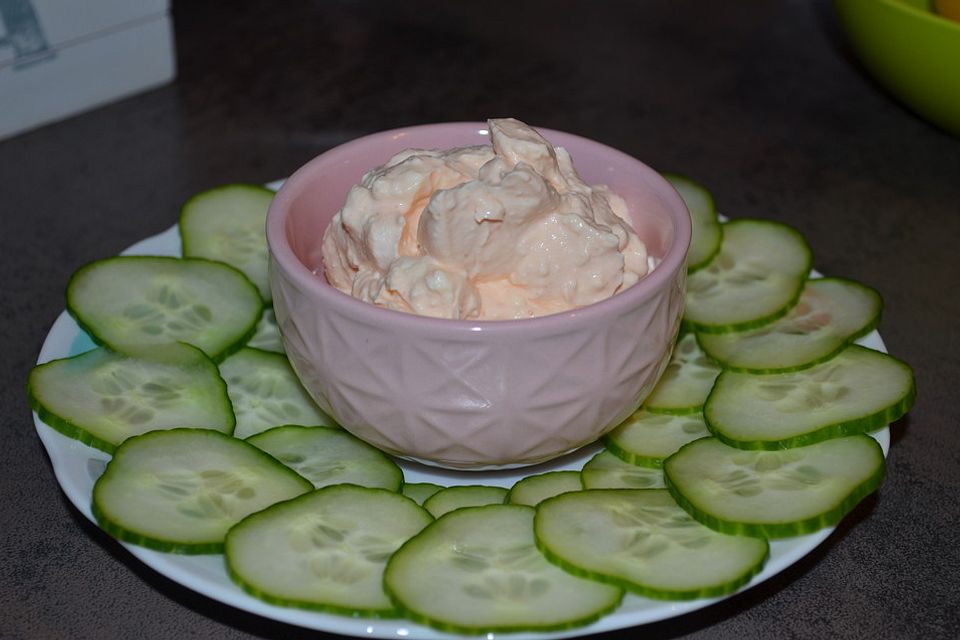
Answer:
(857, 391)
(686, 382)
(707, 230)
(477, 570)
(641, 540)
(647, 439)
(607, 471)
(180, 490)
(266, 393)
(102, 397)
(130, 302)
(329, 455)
(531, 490)
(831, 313)
(468, 495)
(420, 491)
(755, 278)
(774, 494)
(325, 550)
(267, 336)
(227, 224)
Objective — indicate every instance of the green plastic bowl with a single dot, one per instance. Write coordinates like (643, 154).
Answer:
(911, 51)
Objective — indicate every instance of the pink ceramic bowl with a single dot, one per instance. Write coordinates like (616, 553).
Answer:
(474, 394)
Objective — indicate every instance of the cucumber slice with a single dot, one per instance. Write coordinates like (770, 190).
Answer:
(774, 494)
(267, 336)
(607, 471)
(639, 539)
(181, 490)
(468, 495)
(266, 393)
(857, 391)
(325, 550)
(129, 302)
(102, 397)
(531, 490)
(329, 455)
(831, 313)
(419, 491)
(477, 570)
(755, 278)
(227, 224)
(647, 439)
(707, 230)
(686, 382)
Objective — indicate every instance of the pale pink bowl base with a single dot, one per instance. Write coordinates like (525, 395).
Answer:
(471, 394)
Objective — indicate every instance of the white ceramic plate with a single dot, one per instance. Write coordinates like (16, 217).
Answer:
(77, 467)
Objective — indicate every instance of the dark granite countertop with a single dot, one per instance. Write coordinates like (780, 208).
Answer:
(757, 99)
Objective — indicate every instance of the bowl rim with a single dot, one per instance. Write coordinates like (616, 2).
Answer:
(927, 15)
(282, 254)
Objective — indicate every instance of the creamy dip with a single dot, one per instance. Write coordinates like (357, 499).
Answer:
(483, 232)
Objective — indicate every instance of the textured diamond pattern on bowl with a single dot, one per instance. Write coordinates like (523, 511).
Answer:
(476, 401)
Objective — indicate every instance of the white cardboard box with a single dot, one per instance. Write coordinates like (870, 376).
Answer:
(61, 57)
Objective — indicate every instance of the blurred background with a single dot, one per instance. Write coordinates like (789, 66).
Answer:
(766, 102)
